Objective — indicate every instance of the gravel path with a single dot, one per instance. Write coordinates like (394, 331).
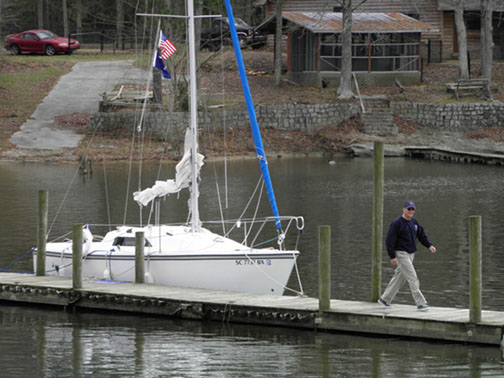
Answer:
(79, 91)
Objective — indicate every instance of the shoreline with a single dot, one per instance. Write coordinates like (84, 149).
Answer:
(361, 146)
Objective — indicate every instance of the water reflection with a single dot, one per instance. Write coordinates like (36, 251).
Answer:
(58, 344)
(340, 196)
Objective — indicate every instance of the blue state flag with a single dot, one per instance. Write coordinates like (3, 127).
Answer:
(159, 63)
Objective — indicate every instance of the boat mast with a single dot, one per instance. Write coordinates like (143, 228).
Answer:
(193, 105)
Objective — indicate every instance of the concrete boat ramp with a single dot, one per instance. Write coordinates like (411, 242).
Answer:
(440, 323)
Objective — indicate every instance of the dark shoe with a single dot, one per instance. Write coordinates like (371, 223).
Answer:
(383, 303)
(422, 308)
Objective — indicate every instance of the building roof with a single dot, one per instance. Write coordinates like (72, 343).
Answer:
(331, 22)
(473, 5)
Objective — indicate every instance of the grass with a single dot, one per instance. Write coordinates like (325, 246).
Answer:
(25, 80)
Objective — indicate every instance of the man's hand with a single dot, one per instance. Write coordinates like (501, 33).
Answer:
(394, 261)
(432, 249)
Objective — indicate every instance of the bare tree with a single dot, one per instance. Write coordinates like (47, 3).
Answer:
(347, 8)
(462, 39)
(119, 23)
(65, 18)
(40, 14)
(78, 13)
(1, 19)
(278, 42)
(486, 59)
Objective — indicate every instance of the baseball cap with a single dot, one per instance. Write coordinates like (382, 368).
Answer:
(409, 204)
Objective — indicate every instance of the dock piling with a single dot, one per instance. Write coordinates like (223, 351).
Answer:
(324, 268)
(77, 256)
(139, 257)
(376, 237)
(91, 166)
(84, 164)
(475, 253)
(502, 347)
(42, 232)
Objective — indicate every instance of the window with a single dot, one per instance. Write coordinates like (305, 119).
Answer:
(29, 36)
(128, 242)
(472, 20)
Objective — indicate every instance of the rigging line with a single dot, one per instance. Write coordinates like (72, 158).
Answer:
(141, 129)
(71, 182)
(296, 266)
(106, 192)
(130, 165)
(246, 206)
(220, 208)
(226, 197)
(256, 210)
(285, 287)
(213, 145)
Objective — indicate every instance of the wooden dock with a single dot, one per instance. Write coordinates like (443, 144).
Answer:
(440, 323)
(430, 153)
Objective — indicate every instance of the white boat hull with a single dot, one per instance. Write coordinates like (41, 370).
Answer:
(209, 262)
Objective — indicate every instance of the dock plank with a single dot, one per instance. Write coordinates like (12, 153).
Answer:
(440, 323)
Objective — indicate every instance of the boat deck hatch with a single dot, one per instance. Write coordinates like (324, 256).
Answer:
(128, 242)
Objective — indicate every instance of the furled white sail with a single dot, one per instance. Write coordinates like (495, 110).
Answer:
(183, 175)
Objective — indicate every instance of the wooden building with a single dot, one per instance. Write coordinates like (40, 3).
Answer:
(385, 47)
(437, 13)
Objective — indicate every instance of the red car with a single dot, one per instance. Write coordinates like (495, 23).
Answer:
(39, 41)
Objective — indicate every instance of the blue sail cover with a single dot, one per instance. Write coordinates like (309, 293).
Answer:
(256, 134)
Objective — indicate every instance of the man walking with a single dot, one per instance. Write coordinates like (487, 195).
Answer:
(401, 247)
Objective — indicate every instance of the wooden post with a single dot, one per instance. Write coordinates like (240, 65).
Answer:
(139, 257)
(502, 348)
(77, 256)
(376, 237)
(324, 268)
(83, 164)
(475, 268)
(42, 232)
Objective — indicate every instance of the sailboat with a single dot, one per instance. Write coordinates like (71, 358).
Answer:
(188, 255)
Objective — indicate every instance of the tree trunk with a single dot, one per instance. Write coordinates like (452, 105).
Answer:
(65, 18)
(1, 20)
(486, 39)
(462, 40)
(40, 14)
(119, 23)
(78, 12)
(157, 87)
(278, 43)
(345, 88)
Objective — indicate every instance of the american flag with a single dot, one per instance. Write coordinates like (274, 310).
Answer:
(167, 48)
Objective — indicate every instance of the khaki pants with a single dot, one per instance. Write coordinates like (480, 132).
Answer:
(405, 272)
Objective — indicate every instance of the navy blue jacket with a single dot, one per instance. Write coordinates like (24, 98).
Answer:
(402, 235)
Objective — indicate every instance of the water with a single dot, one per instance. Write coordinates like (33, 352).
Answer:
(52, 343)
